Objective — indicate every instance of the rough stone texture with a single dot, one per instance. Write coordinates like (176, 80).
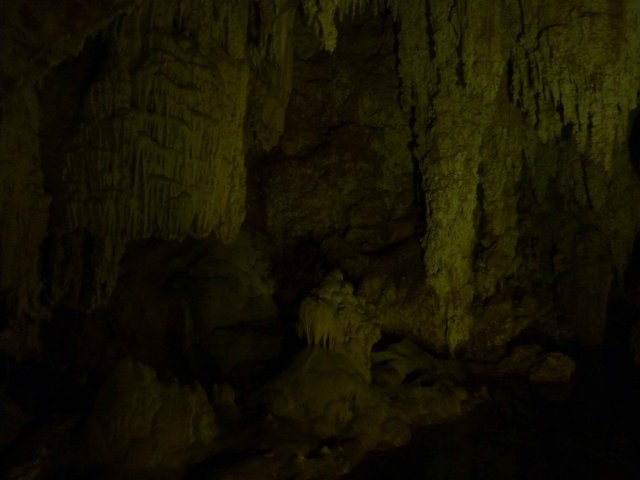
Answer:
(533, 362)
(494, 88)
(524, 205)
(554, 367)
(202, 307)
(406, 360)
(329, 389)
(229, 292)
(270, 41)
(321, 391)
(139, 423)
(329, 381)
(336, 321)
(37, 35)
(148, 121)
(159, 151)
(470, 127)
(34, 37)
(463, 163)
(339, 187)
(158, 148)
(23, 211)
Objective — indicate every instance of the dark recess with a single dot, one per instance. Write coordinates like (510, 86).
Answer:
(634, 141)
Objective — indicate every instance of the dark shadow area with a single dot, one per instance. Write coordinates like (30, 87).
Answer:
(386, 340)
(634, 140)
(524, 432)
(586, 429)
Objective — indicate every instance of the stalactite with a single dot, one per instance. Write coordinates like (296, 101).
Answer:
(554, 68)
(160, 148)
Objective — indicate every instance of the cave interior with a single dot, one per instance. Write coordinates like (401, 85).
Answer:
(316, 239)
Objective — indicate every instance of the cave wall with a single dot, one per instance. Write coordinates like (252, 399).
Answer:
(519, 131)
(465, 163)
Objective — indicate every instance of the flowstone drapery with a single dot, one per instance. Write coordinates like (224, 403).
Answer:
(335, 320)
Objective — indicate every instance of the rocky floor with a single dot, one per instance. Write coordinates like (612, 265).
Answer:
(586, 429)
(583, 429)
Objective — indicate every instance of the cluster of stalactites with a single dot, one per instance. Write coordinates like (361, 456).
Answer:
(330, 315)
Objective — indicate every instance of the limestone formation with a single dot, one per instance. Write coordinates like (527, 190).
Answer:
(335, 215)
(329, 391)
(158, 139)
(138, 423)
(23, 211)
(554, 367)
(321, 391)
(329, 381)
(333, 319)
(539, 366)
(479, 68)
